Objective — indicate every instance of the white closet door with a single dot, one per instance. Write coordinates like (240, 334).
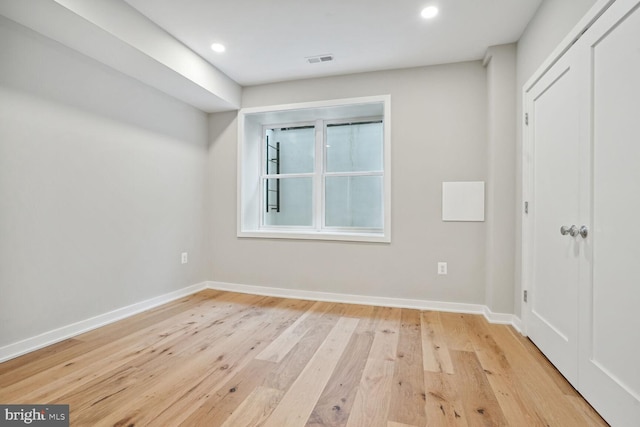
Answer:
(609, 375)
(554, 133)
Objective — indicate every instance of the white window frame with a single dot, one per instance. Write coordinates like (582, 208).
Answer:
(252, 125)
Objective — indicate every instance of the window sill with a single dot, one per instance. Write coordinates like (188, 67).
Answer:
(311, 235)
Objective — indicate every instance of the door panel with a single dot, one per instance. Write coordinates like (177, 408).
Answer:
(555, 137)
(584, 149)
(609, 374)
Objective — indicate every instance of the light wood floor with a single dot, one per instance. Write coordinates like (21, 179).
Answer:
(226, 359)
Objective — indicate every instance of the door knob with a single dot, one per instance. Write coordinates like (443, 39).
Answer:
(572, 231)
(584, 231)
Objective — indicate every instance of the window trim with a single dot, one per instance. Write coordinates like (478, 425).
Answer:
(260, 118)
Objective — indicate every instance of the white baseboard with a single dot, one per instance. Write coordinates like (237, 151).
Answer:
(51, 337)
(501, 318)
(516, 322)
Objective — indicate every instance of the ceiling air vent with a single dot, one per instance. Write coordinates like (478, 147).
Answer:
(319, 58)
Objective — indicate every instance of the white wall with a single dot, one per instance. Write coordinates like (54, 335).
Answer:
(102, 184)
(438, 124)
(551, 23)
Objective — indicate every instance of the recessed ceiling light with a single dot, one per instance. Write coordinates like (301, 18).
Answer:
(429, 12)
(217, 47)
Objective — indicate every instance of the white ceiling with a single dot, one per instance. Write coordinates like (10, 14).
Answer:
(268, 40)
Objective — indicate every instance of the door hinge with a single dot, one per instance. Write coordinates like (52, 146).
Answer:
(526, 207)
(526, 119)
(526, 296)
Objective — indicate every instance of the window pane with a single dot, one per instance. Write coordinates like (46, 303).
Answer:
(353, 201)
(289, 201)
(290, 150)
(354, 147)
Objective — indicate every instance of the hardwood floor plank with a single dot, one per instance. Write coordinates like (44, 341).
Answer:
(535, 383)
(443, 403)
(335, 403)
(371, 404)
(288, 370)
(387, 331)
(30, 364)
(214, 408)
(559, 381)
(298, 402)
(587, 412)
(408, 391)
(480, 404)
(255, 409)
(500, 375)
(281, 346)
(455, 332)
(394, 424)
(434, 348)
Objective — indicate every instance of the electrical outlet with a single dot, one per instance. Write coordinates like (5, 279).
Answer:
(185, 258)
(442, 268)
